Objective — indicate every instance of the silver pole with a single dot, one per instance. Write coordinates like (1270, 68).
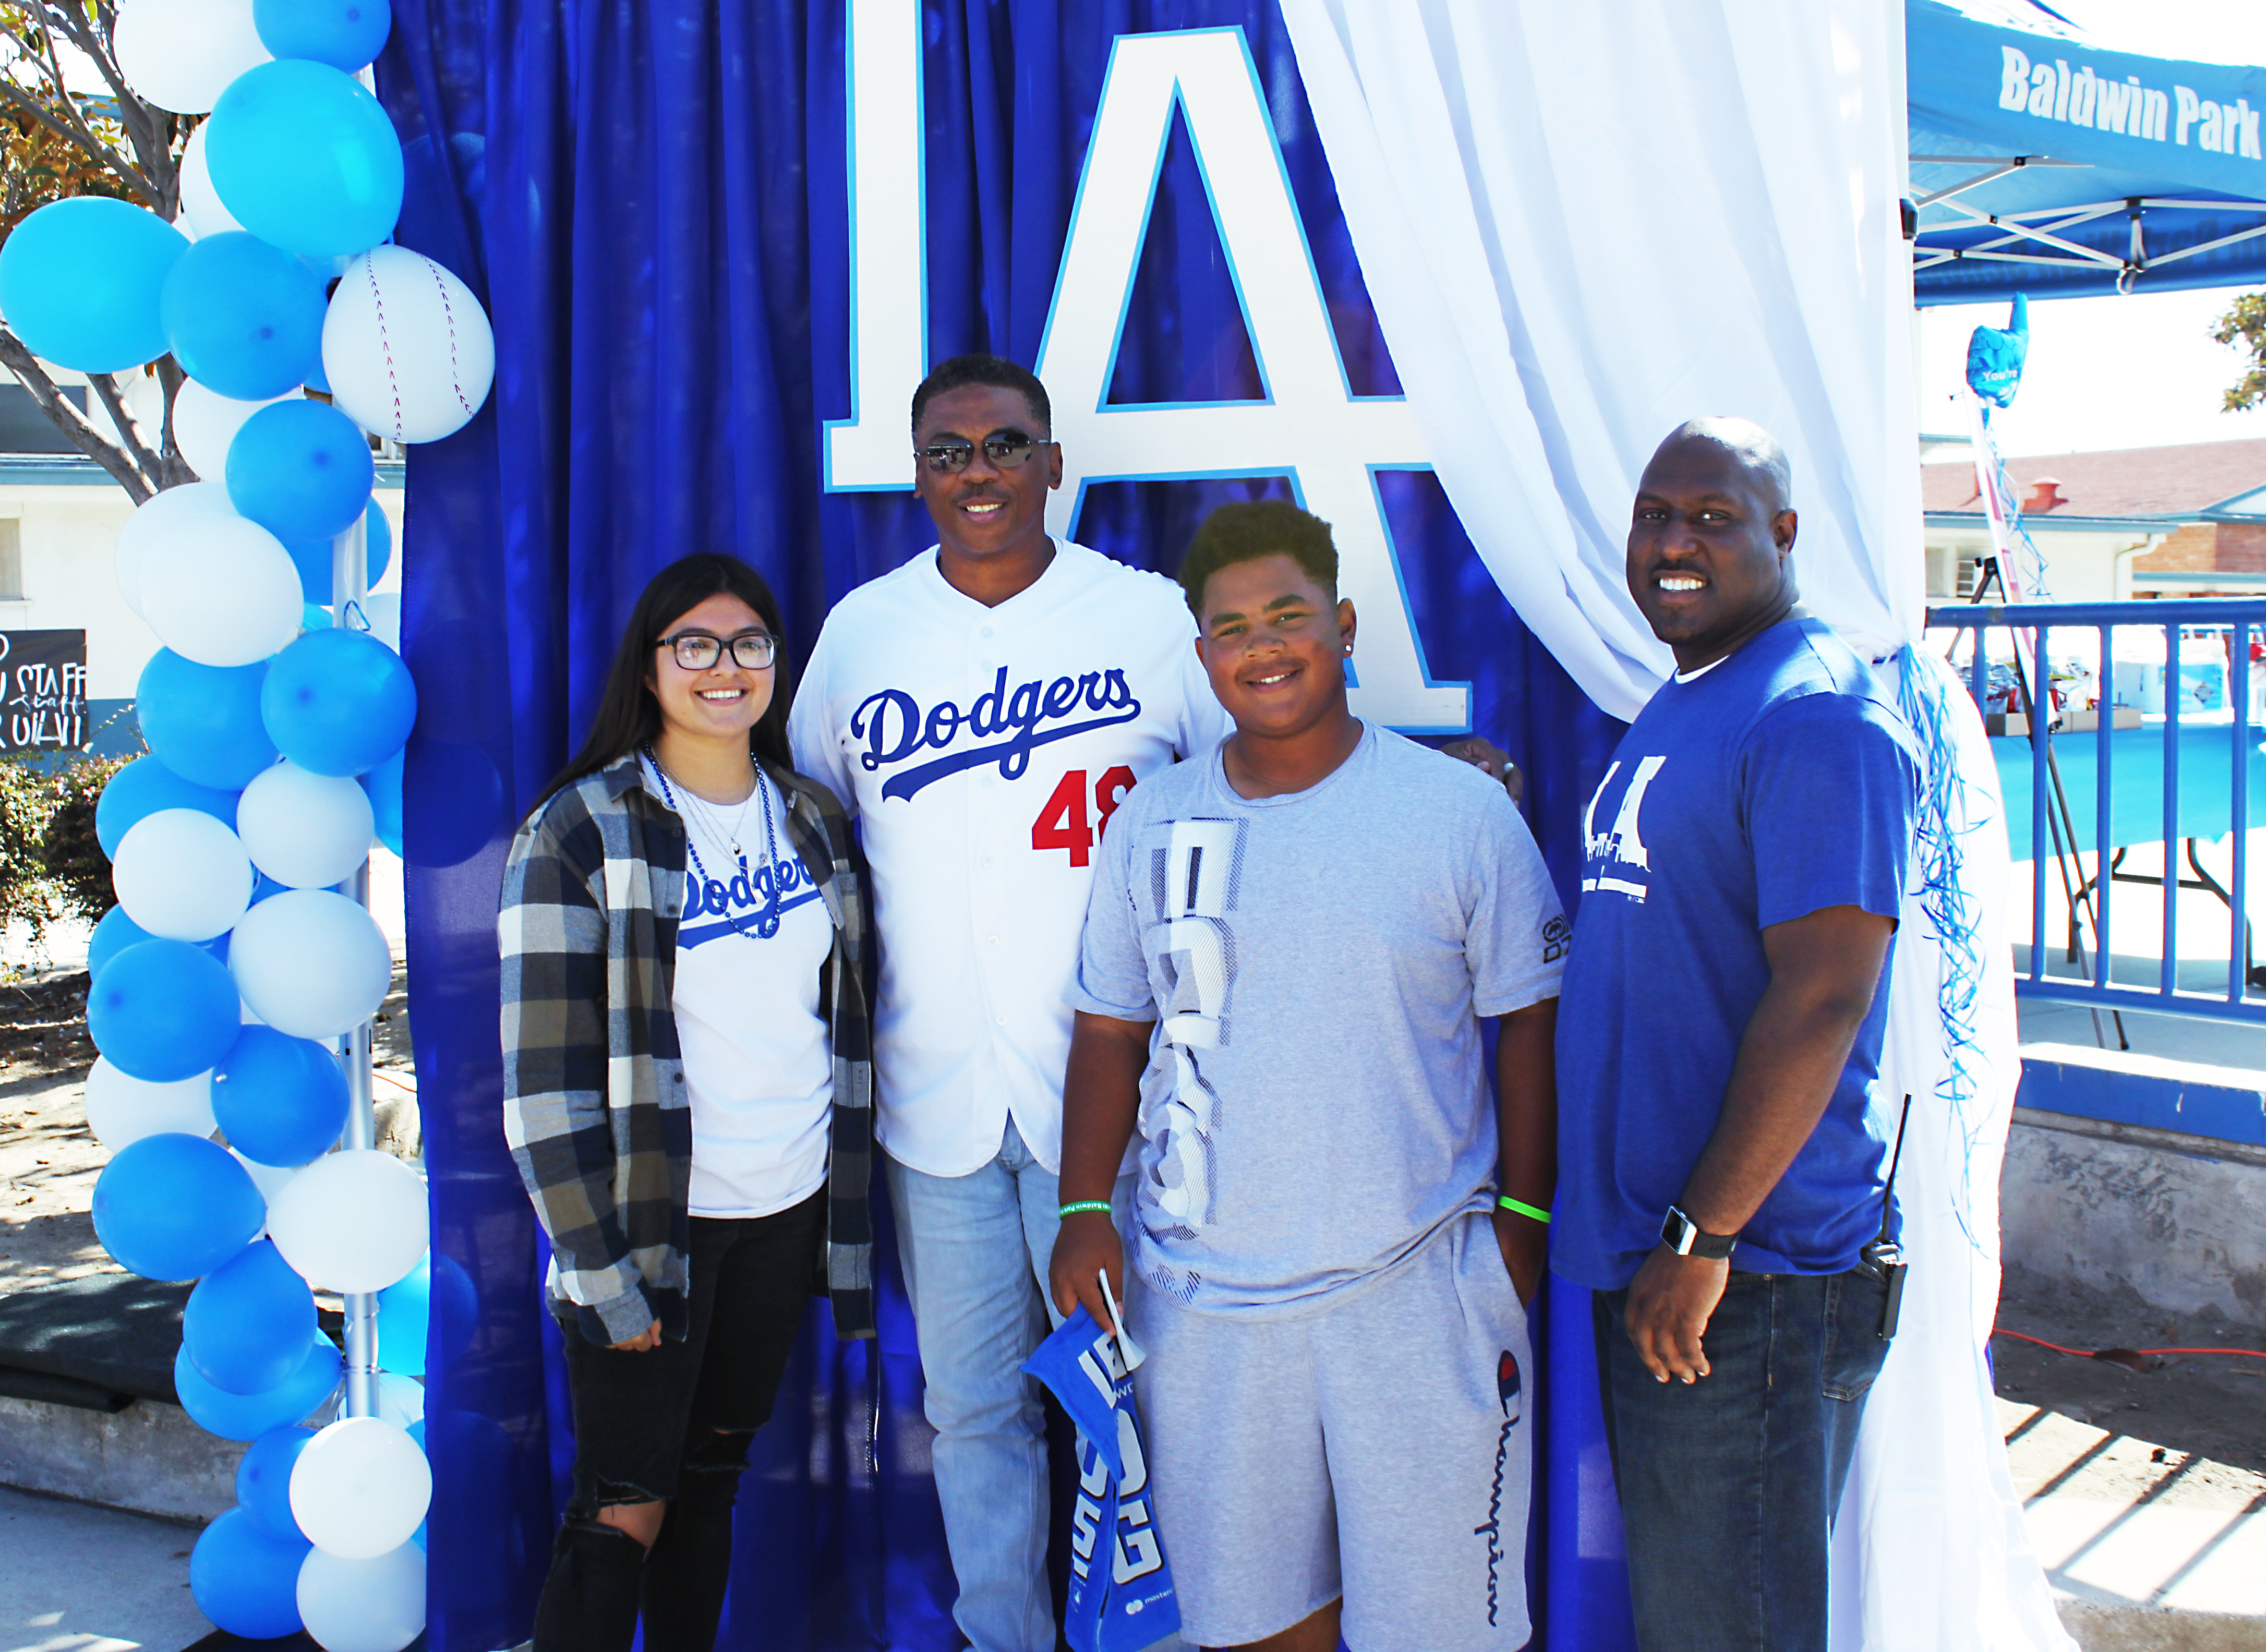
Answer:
(350, 590)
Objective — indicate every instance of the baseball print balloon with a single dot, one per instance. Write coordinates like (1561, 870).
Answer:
(406, 347)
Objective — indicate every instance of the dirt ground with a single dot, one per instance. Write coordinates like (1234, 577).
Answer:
(2208, 1404)
(50, 1159)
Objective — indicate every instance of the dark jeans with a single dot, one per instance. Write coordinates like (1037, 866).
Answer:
(1728, 1486)
(673, 1423)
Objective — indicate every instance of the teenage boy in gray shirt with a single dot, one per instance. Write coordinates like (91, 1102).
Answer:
(1288, 949)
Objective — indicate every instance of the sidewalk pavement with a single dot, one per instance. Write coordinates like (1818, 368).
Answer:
(82, 1579)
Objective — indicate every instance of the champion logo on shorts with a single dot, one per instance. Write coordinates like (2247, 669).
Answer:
(1010, 725)
(1507, 1392)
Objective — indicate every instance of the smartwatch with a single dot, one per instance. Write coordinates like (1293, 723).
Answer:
(1681, 1234)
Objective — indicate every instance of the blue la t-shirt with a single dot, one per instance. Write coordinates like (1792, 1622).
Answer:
(1777, 783)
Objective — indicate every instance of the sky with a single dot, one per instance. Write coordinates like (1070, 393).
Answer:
(2134, 372)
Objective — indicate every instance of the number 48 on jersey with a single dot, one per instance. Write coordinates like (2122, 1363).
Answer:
(1064, 823)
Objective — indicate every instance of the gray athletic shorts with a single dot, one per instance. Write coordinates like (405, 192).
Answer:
(1377, 1448)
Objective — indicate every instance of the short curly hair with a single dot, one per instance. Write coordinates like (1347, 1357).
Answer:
(992, 372)
(1248, 530)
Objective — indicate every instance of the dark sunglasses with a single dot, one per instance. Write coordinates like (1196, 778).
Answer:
(1008, 451)
(697, 650)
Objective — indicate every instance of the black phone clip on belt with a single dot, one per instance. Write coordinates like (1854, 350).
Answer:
(1885, 1259)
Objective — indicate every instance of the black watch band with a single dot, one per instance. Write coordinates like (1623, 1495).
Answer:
(1681, 1234)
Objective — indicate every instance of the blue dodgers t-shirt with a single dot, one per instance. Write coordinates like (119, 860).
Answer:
(1777, 783)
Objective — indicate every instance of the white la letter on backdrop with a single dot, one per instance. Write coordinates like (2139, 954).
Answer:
(1310, 427)
(870, 451)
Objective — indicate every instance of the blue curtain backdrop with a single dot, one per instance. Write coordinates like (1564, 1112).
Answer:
(650, 197)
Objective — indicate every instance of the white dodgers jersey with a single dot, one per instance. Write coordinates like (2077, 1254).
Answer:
(983, 750)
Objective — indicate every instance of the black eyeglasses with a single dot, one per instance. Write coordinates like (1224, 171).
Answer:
(697, 650)
(1008, 450)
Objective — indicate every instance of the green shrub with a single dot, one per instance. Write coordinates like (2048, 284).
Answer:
(50, 865)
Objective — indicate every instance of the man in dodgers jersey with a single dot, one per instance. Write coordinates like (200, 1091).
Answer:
(983, 710)
(1720, 1170)
(1291, 944)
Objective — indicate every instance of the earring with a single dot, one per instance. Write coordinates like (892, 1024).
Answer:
(1349, 647)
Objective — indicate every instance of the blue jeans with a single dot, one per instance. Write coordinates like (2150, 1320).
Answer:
(1728, 1485)
(974, 1250)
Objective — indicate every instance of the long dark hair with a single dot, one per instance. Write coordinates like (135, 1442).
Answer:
(628, 714)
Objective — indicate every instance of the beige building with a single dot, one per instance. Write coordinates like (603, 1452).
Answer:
(60, 516)
(2188, 521)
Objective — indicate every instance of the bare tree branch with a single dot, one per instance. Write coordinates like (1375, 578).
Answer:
(86, 140)
(151, 467)
(150, 130)
(19, 361)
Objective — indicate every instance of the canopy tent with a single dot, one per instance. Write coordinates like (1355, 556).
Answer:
(2043, 163)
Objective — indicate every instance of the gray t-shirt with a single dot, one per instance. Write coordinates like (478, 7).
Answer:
(1315, 1104)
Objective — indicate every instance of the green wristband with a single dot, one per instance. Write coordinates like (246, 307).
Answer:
(1523, 1208)
(1102, 1205)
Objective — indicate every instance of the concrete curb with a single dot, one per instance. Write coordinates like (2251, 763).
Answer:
(2100, 1628)
(148, 1459)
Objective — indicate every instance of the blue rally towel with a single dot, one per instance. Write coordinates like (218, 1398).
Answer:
(1121, 1584)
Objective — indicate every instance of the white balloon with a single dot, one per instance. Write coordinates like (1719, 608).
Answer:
(222, 590)
(401, 1399)
(310, 963)
(375, 1605)
(121, 1108)
(359, 1488)
(181, 55)
(305, 831)
(200, 203)
(204, 422)
(182, 875)
(155, 520)
(383, 611)
(271, 1179)
(406, 347)
(353, 1220)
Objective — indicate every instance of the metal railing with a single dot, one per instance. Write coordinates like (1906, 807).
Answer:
(2060, 823)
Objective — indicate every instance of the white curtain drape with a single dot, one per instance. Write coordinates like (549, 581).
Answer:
(1580, 226)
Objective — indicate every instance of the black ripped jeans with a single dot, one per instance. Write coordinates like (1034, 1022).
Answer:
(674, 1422)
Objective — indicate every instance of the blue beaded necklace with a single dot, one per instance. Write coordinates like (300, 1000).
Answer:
(767, 915)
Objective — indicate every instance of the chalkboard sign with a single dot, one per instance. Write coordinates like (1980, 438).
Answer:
(42, 690)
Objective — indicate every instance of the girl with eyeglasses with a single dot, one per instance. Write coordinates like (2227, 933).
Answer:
(687, 1091)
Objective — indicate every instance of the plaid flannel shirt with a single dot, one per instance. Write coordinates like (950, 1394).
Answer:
(595, 1104)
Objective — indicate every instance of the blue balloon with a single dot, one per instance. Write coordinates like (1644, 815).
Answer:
(112, 936)
(279, 1099)
(1995, 356)
(262, 887)
(163, 1011)
(145, 786)
(248, 1416)
(337, 702)
(247, 1322)
(117, 932)
(202, 721)
(79, 281)
(313, 558)
(245, 1578)
(300, 469)
(314, 619)
(304, 157)
(263, 1480)
(403, 1310)
(175, 1207)
(347, 35)
(243, 317)
(383, 785)
(460, 804)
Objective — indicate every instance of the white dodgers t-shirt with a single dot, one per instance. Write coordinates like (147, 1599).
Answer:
(983, 751)
(756, 1063)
